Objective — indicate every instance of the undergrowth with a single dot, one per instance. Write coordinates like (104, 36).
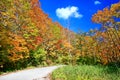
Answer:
(86, 72)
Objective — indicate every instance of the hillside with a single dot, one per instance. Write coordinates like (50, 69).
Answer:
(28, 37)
(26, 32)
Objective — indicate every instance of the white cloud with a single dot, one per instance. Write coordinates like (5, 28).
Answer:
(97, 2)
(70, 11)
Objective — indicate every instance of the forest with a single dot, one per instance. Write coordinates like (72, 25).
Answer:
(28, 37)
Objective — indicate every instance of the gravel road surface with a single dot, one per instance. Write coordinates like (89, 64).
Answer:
(31, 74)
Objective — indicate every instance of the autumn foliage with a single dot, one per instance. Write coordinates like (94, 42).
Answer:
(27, 34)
(29, 37)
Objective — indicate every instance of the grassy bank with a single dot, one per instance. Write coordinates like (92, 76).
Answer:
(86, 72)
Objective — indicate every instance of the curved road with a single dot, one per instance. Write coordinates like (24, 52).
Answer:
(31, 74)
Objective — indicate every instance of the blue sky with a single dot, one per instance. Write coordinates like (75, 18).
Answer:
(77, 13)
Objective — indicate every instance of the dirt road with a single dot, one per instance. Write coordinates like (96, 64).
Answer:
(31, 74)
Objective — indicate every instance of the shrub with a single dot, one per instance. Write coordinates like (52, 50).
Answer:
(37, 57)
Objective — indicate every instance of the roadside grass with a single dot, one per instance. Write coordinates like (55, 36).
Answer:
(86, 72)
